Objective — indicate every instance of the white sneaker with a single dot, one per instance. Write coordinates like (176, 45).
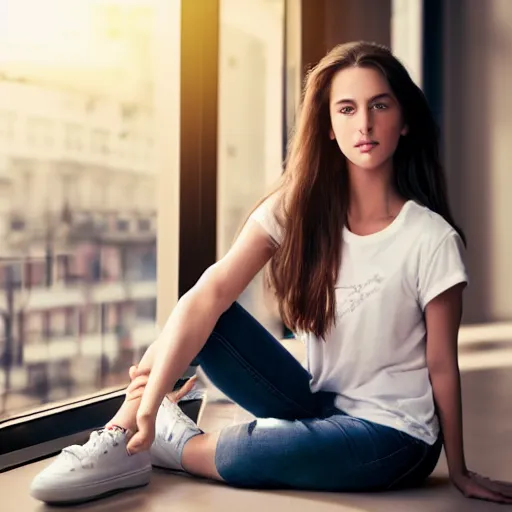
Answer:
(173, 428)
(99, 467)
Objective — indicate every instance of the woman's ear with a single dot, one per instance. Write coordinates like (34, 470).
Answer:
(331, 134)
(405, 130)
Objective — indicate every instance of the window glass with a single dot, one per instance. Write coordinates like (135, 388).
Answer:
(78, 195)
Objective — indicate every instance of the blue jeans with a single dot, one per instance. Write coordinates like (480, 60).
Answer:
(299, 440)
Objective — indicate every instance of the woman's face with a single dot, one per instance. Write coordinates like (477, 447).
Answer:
(366, 119)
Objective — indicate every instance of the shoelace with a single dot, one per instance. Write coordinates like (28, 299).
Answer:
(99, 443)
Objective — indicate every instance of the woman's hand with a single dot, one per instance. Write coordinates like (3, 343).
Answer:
(145, 435)
(473, 485)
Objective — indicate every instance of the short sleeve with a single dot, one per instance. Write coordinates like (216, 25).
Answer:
(265, 216)
(441, 269)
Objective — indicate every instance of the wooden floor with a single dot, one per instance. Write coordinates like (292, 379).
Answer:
(487, 395)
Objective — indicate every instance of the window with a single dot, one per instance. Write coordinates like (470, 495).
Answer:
(123, 225)
(71, 321)
(7, 125)
(144, 224)
(17, 223)
(34, 273)
(39, 132)
(145, 309)
(62, 288)
(58, 322)
(74, 137)
(34, 327)
(67, 377)
(100, 142)
(250, 148)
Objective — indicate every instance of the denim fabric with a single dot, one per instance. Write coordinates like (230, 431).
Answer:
(299, 439)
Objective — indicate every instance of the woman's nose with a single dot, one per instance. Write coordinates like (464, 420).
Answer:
(365, 122)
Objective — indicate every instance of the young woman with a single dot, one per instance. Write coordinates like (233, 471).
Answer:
(367, 265)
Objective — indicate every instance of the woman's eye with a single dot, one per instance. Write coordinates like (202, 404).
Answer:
(380, 106)
(346, 110)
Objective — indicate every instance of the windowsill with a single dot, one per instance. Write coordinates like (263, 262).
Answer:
(57, 408)
(44, 432)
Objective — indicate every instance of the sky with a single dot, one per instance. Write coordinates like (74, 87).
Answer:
(92, 45)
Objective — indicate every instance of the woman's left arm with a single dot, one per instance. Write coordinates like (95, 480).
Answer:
(443, 315)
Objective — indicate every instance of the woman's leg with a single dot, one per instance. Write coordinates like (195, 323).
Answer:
(332, 453)
(253, 369)
(250, 366)
(299, 439)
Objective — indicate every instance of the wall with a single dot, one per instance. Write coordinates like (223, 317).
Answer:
(326, 23)
(249, 125)
(346, 20)
(478, 130)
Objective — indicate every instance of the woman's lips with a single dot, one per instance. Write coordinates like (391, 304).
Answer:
(366, 147)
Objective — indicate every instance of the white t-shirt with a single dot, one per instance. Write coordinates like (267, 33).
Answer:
(374, 359)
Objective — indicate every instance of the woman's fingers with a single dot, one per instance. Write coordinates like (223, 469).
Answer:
(139, 381)
(136, 387)
(176, 396)
(135, 372)
(132, 372)
(504, 488)
(144, 437)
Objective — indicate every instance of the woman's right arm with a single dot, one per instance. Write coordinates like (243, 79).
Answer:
(197, 312)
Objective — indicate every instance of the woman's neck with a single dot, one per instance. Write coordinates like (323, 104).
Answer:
(372, 195)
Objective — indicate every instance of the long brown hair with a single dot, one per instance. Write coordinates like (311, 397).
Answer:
(313, 192)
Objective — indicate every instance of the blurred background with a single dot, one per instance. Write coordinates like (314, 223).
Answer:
(136, 135)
